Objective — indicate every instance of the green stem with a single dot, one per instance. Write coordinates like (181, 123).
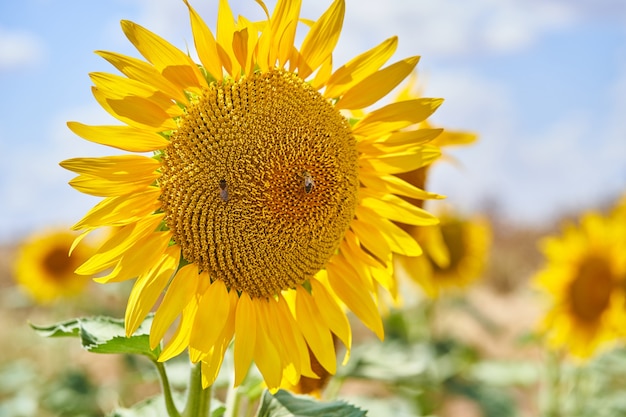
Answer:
(198, 399)
(553, 385)
(172, 411)
(233, 402)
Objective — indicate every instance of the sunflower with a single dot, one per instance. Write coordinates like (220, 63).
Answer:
(455, 253)
(44, 267)
(267, 206)
(456, 249)
(585, 278)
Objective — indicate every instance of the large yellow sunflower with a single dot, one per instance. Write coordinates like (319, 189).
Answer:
(44, 268)
(585, 277)
(267, 207)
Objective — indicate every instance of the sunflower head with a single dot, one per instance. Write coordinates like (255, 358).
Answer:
(271, 197)
(455, 253)
(44, 267)
(585, 279)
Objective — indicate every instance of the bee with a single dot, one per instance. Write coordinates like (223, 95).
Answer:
(309, 184)
(223, 190)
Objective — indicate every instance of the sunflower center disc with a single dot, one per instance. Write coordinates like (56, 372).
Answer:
(259, 183)
(591, 289)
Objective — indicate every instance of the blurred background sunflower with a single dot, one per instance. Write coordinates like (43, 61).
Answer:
(44, 267)
(584, 278)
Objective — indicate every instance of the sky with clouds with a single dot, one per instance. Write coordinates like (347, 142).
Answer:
(543, 82)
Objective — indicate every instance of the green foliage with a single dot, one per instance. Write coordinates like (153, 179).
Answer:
(416, 369)
(284, 404)
(103, 335)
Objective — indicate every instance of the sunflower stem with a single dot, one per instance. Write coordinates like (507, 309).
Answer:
(198, 398)
(172, 411)
(233, 402)
(553, 385)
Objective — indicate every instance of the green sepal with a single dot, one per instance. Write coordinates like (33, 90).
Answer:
(285, 404)
(103, 335)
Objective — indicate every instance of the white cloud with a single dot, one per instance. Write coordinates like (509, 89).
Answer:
(19, 49)
(573, 163)
(447, 28)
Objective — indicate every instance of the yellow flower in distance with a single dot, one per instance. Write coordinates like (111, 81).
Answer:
(44, 268)
(266, 208)
(584, 278)
(455, 253)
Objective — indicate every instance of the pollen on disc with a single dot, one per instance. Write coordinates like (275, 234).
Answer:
(260, 181)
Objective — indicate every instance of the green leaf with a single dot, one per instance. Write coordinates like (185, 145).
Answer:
(155, 407)
(69, 328)
(152, 407)
(103, 335)
(284, 404)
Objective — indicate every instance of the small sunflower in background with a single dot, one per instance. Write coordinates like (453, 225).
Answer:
(45, 269)
(584, 278)
(455, 253)
(455, 250)
(271, 199)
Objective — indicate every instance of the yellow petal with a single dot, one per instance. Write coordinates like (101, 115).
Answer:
(266, 356)
(205, 44)
(283, 24)
(173, 63)
(359, 68)
(106, 188)
(178, 295)
(450, 138)
(138, 112)
(317, 335)
(245, 337)
(240, 46)
(377, 85)
(113, 167)
(399, 210)
(294, 338)
(322, 38)
(285, 340)
(137, 260)
(148, 288)
(121, 241)
(122, 210)
(333, 316)
(126, 138)
(214, 360)
(180, 340)
(321, 77)
(399, 241)
(212, 363)
(225, 30)
(353, 295)
(413, 137)
(396, 116)
(394, 185)
(118, 87)
(142, 71)
(395, 163)
(214, 303)
(372, 239)
(351, 247)
(385, 277)
(436, 247)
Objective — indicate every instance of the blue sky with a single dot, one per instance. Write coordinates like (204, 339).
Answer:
(543, 82)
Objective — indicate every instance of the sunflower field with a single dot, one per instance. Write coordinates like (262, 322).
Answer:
(264, 237)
